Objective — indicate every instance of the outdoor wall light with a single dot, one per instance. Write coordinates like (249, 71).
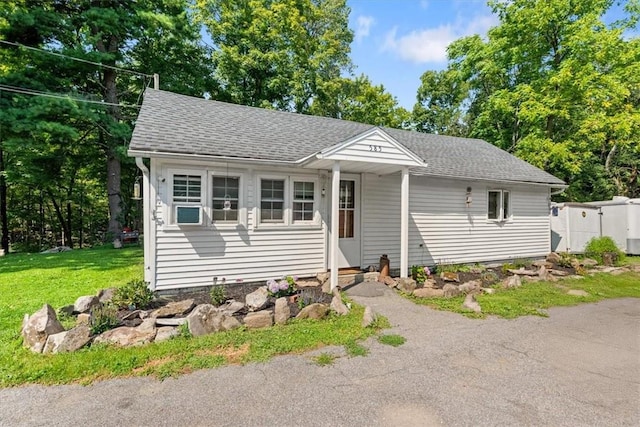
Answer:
(468, 199)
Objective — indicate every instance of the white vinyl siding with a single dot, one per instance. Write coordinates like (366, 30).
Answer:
(192, 257)
(449, 231)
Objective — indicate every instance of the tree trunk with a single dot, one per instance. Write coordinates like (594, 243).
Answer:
(4, 220)
(113, 191)
(66, 233)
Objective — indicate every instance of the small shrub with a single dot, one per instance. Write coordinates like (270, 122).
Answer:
(489, 278)
(217, 295)
(282, 288)
(419, 273)
(183, 330)
(598, 246)
(103, 318)
(453, 268)
(392, 340)
(565, 259)
(508, 266)
(135, 293)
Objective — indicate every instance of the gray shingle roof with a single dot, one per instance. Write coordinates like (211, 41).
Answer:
(178, 124)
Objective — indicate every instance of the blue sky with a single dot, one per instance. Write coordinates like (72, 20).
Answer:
(398, 40)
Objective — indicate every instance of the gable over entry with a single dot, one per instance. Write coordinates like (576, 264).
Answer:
(376, 152)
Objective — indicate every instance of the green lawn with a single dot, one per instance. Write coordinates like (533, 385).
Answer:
(28, 281)
(534, 298)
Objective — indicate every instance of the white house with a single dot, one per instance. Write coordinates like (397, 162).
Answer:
(250, 194)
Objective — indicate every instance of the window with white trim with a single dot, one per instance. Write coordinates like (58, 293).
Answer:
(187, 188)
(225, 198)
(272, 200)
(303, 201)
(187, 198)
(498, 205)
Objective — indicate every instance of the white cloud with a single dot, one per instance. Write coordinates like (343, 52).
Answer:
(364, 24)
(430, 44)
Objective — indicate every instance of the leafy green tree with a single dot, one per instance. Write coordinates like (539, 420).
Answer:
(276, 53)
(554, 85)
(145, 36)
(359, 100)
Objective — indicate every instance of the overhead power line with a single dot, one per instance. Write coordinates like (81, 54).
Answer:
(73, 58)
(26, 91)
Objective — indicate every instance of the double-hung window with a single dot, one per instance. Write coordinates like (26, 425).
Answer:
(226, 195)
(272, 200)
(303, 201)
(187, 199)
(499, 205)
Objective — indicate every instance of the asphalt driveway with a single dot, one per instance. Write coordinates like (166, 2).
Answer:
(580, 366)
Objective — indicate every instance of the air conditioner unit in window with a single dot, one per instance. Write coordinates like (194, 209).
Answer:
(188, 215)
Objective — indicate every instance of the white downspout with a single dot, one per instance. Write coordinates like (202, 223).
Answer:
(146, 224)
(335, 201)
(404, 223)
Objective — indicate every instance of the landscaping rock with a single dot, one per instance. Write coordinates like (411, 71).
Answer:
(390, 281)
(429, 283)
(323, 277)
(282, 311)
(406, 284)
(126, 336)
(449, 276)
(307, 283)
(37, 328)
(85, 303)
(470, 287)
(558, 273)
(428, 292)
(166, 333)
(338, 306)
(176, 308)
(512, 282)
(231, 307)
(368, 318)
(259, 319)
(523, 272)
(326, 287)
(206, 319)
(257, 300)
(135, 314)
(544, 274)
(554, 258)
(489, 291)
(470, 303)
(542, 263)
(83, 319)
(588, 262)
(67, 341)
(313, 311)
(450, 290)
(170, 321)
(578, 293)
(106, 295)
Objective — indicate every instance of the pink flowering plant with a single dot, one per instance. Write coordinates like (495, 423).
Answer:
(283, 287)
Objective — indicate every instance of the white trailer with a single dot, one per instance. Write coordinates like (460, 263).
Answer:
(621, 221)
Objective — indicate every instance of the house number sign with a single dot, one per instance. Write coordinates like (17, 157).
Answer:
(375, 148)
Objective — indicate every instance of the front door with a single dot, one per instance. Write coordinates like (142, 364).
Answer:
(349, 222)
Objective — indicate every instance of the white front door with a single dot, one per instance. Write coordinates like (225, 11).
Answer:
(349, 222)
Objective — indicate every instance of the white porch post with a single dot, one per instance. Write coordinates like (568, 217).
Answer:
(335, 200)
(404, 224)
